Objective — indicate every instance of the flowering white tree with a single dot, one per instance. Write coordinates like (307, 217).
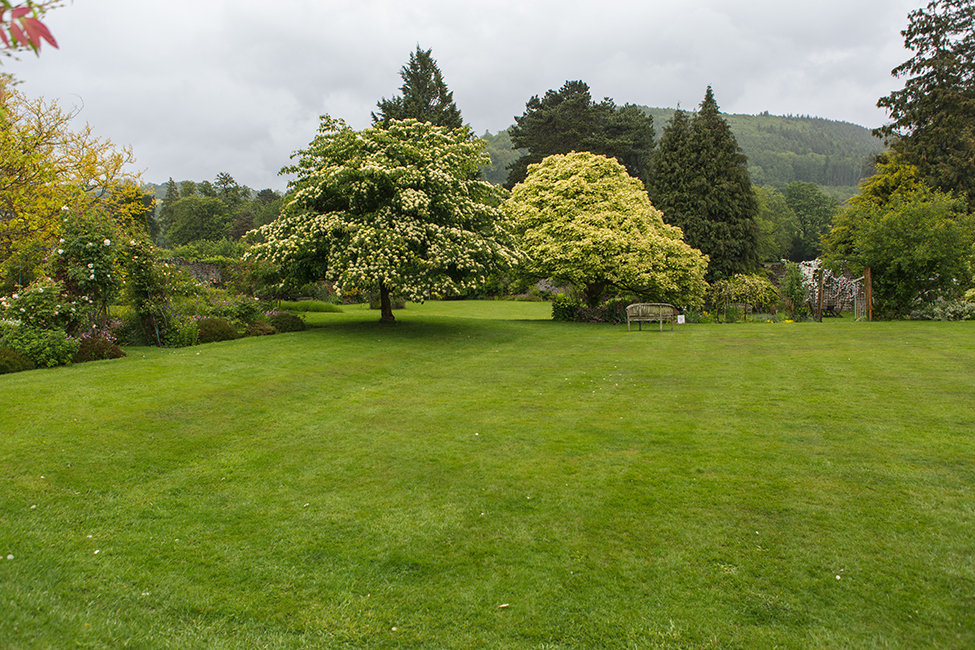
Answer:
(582, 219)
(396, 209)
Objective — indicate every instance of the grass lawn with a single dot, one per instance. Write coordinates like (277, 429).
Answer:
(477, 476)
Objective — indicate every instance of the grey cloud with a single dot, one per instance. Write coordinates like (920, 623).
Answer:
(237, 85)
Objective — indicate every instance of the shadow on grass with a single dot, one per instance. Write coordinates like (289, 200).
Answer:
(426, 328)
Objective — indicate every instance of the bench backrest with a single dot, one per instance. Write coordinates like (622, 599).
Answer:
(649, 310)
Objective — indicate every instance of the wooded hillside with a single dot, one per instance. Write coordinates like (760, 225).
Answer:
(780, 150)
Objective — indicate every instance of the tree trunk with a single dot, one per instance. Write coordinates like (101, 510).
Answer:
(385, 306)
(594, 293)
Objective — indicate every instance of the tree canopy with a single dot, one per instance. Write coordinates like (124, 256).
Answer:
(918, 241)
(393, 210)
(425, 97)
(933, 115)
(777, 224)
(814, 210)
(568, 120)
(198, 218)
(582, 219)
(45, 166)
(700, 181)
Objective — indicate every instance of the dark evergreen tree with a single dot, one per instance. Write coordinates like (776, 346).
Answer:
(933, 116)
(701, 183)
(425, 96)
(568, 120)
(628, 136)
(671, 178)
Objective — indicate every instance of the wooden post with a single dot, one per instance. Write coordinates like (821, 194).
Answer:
(819, 295)
(868, 292)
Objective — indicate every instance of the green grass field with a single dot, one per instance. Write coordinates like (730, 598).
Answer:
(478, 476)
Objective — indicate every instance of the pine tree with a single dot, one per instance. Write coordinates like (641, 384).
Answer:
(725, 187)
(669, 186)
(700, 180)
(425, 96)
(568, 120)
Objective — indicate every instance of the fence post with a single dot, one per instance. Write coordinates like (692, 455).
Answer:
(819, 295)
(868, 291)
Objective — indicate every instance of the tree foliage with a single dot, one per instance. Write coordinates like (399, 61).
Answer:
(754, 289)
(45, 166)
(917, 241)
(503, 155)
(780, 149)
(895, 179)
(21, 26)
(198, 218)
(777, 225)
(700, 181)
(395, 210)
(813, 210)
(582, 219)
(568, 120)
(933, 116)
(425, 97)
(204, 220)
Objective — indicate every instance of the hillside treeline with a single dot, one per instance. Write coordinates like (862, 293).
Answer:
(780, 150)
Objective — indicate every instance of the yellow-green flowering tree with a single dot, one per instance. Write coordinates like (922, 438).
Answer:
(46, 166)
(582, 219)
(394, 209)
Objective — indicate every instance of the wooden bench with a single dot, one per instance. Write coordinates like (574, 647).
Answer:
(648, 312)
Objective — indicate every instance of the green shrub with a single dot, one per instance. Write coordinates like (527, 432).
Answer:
(42, 305)
(565, 309)
(213, 329)
(181, 332)
(97, 348)
(13, 361)
(794, 290)
(260, 328)
(285, 322)
(694, 315)
(211, 301)
(942, 309)
(44, 347)
(572, 310)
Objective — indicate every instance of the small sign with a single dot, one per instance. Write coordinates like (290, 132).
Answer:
(680, 319)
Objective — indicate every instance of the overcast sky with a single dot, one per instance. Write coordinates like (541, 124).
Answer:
(199, 87)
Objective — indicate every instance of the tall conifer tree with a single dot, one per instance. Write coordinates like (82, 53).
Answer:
(933, 116)
(425, 96)
(672, 173)
(701, 183)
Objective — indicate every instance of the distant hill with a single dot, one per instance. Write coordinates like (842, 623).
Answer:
(780, 150)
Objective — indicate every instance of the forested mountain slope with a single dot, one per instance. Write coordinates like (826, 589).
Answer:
(780, 149)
